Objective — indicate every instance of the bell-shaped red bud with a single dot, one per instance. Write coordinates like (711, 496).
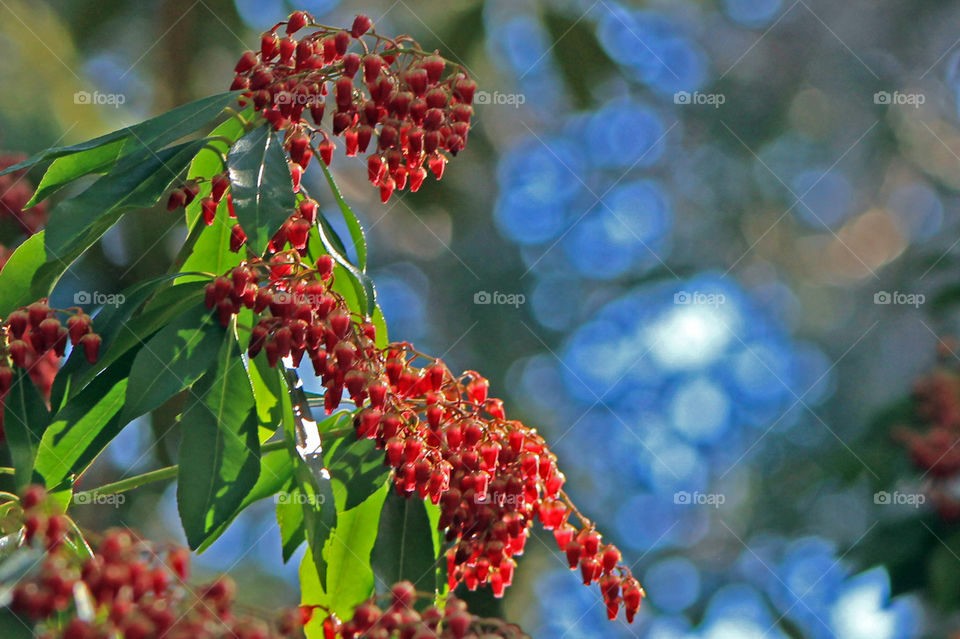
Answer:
(361, 24)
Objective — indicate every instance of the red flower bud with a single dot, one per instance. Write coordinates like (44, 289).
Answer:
(361, 24)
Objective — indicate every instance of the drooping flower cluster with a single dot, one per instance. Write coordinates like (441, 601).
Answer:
(444, 437)
(15, 192)
(934, 446)
(34, 339)
(127, 589)
(399, 618)
(388, 93)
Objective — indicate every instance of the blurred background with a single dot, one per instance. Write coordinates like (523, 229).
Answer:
(705, 246)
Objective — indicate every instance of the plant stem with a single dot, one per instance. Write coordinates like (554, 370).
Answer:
(160, 474)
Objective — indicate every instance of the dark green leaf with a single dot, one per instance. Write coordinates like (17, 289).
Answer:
(355, 465)
(219, 448)
(261, 185)
(276, 471)
(24, 421)
(85, 425)
(137, 182)
(100, 153)
(353, 224)
(122, 331)
(405, 544)
(17, 285)
(290, 519)
(13, 626)
(173, 359)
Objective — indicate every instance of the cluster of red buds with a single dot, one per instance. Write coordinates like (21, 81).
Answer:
(15, 192)
(126, 589)
(934, 445)
(445, 438)
(34, 339)
(399, 618)
(386, 92)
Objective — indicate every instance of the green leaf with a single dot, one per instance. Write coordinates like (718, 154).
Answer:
(276, 471)
(174, 358)
(85, 425)
(17, 285)
(211, 252)
(356, 466)
(123, 329)
(210, 160)
(293, 532)
(100, 153)
(13, 626)
(316, 492)
(405, 544)
(353, 224)
(219, 448)
(137, 182)
(363, 286)
(349, 577)
(24, 420)
(261, 185)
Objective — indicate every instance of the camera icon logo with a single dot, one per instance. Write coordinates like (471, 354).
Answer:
(682, 497)
(882, 498)
(882, 97)
(882, 297)
(482, 97)
(81, 297)
(82, 97)
(482, 297)
(681, 297)
(681, 97)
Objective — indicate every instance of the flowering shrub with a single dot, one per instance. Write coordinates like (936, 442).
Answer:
(261, 282)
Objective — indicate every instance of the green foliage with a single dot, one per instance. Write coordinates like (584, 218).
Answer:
(262, 188)
(161, 345)
(219, 447)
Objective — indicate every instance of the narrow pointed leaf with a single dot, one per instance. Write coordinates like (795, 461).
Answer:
(405, 547)
(353, 224)
(219, 448)
(84, 426)
(24, 421)
(98, 154)
(261, 185)
(173, 359)
(137, 182)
